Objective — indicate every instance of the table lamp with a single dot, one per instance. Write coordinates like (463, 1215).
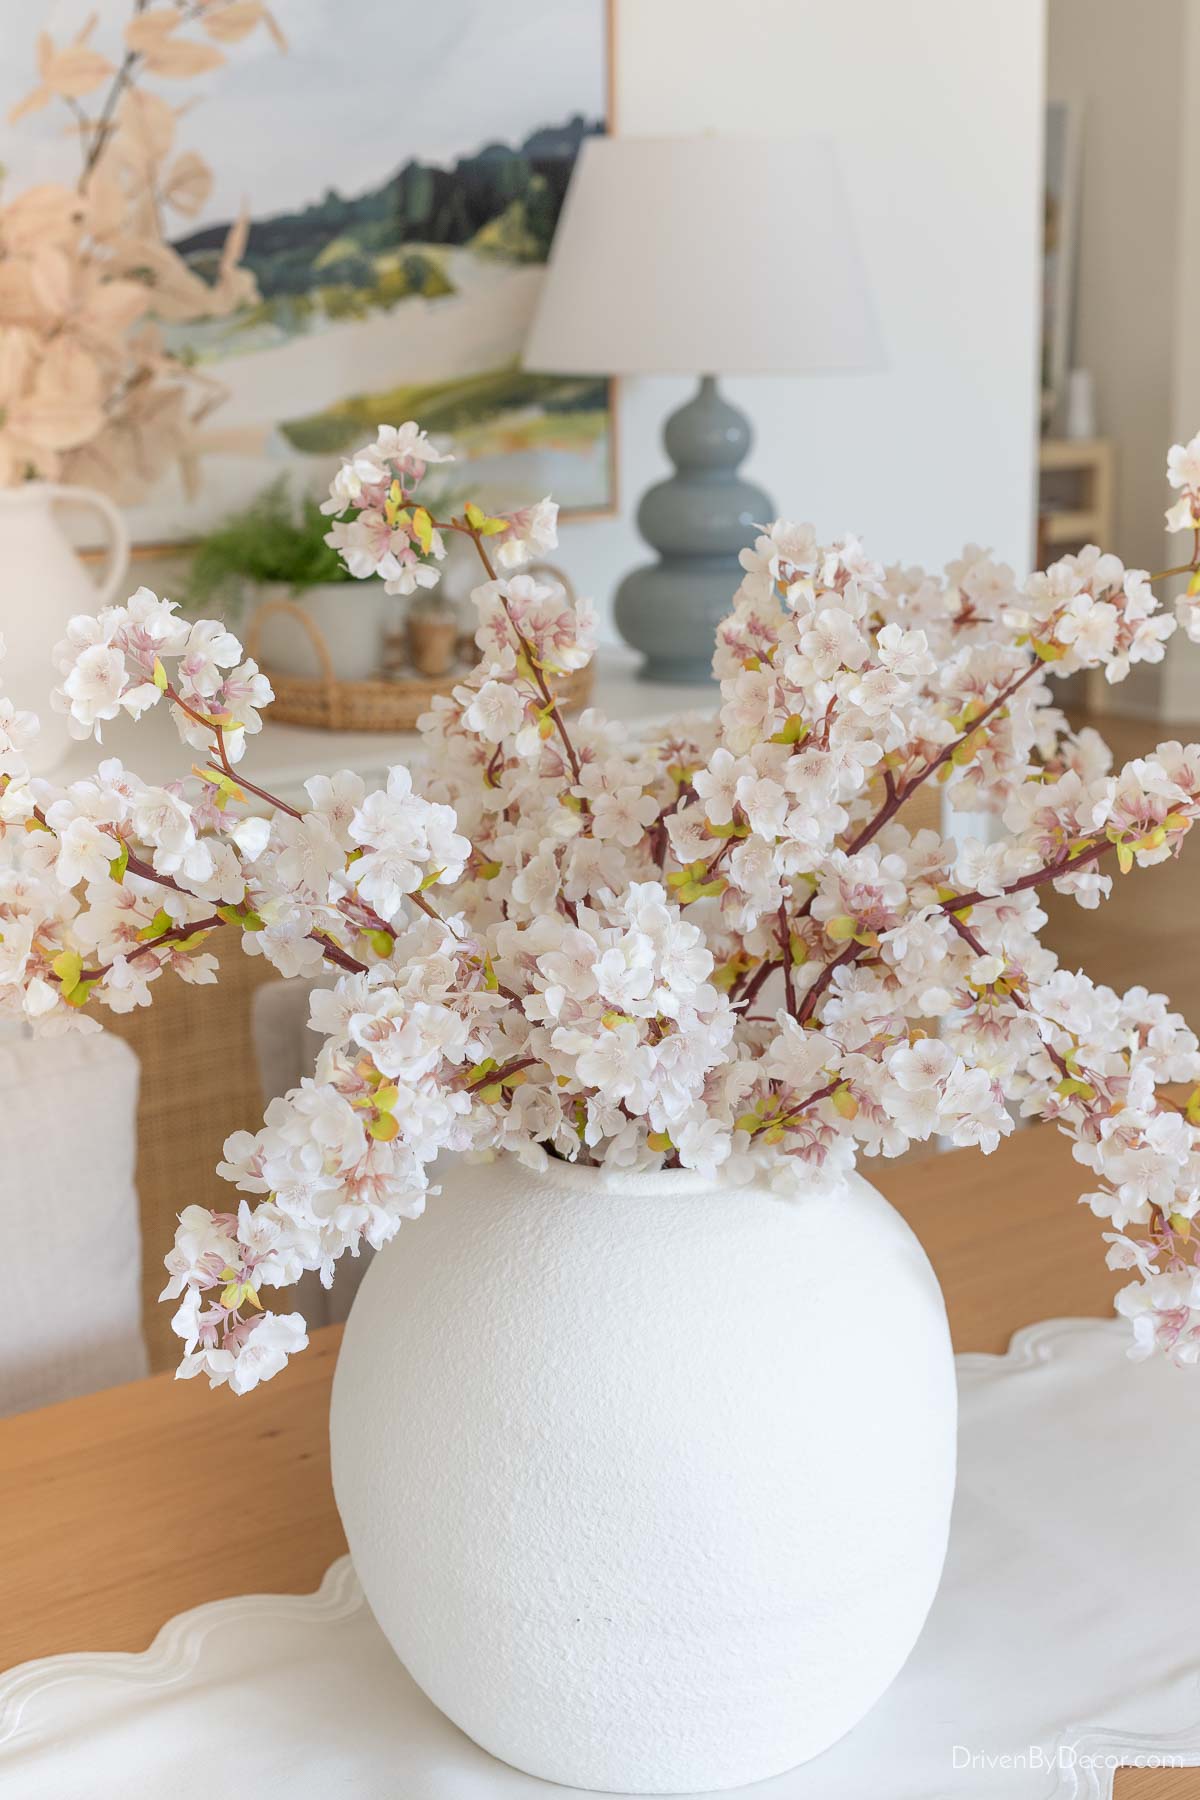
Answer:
(701, 256)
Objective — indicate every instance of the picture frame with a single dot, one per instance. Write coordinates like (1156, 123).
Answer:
(398, 285)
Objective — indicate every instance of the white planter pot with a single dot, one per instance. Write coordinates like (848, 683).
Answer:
(42, 586)
(647, 1480)
(348, 617)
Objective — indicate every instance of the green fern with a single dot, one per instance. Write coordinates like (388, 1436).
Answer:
(272, 540)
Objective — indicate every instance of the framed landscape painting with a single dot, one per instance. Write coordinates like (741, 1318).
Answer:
(402, 167)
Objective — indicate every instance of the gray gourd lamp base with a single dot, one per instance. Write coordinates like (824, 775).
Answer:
(698, 520)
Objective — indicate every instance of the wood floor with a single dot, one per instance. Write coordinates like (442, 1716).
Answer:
(1146, 933)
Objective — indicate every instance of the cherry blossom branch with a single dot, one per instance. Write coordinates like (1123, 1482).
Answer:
(760, 975)
(258, 792)
(813, 996)
(785, 939)
(794, 1119)
(968, 937)
(1078, 1074)
(548, 697)
(176, 934)
(146, 872)
(897, 796)
(496, 1077)
(959, 903)
(136, 866)
(221, 764)
(1037, 878)
(335, 954)
(431, 912)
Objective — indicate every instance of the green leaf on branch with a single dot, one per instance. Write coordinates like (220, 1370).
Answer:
(732, 971)
(843, 1101)
(845, 930)
(68, 966)
(481, 522)
(244, 916)
(1070, 1087)
(422, 527)
(227, 789)
(689, 884)
(190, 943)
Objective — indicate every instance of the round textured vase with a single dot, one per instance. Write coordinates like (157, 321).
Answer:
(647, 1480)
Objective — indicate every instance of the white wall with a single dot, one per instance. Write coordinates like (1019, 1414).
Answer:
(937, 108)
(1122, 65)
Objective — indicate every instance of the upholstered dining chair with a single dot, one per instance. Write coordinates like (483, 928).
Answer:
(71, 1320)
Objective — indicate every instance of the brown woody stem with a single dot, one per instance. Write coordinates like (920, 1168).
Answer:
(897, 796)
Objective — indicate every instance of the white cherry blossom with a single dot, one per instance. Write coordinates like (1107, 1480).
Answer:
(718, 944)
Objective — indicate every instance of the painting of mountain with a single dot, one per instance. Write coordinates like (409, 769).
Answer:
(433, 273)
(402, 168)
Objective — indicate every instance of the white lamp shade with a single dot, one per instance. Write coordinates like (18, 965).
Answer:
(705, 255)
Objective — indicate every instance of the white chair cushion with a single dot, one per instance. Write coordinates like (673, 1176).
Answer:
(71, 1319)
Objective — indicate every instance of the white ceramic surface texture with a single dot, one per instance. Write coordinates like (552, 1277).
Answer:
(647, 1480)
(43, 584)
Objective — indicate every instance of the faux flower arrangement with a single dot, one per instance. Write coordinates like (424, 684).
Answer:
(715, 947)
(89, 390)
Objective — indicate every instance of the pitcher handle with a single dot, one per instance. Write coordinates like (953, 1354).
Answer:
(118, 534)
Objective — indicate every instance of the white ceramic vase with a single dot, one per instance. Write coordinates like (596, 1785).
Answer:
(347, 618)
(648, 1479)
(43, 584)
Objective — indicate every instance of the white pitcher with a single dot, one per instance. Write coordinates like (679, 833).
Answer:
(42, 585)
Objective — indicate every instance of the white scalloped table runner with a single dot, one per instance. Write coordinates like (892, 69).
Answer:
(1065, 1639)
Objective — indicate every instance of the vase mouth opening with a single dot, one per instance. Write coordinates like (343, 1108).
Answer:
(605, 1178)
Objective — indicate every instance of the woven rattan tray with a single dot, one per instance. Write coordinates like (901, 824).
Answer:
(326, 703)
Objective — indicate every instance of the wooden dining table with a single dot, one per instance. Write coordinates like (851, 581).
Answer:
(119, 1510)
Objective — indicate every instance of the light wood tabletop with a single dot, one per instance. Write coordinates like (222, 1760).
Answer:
(120, 1510)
